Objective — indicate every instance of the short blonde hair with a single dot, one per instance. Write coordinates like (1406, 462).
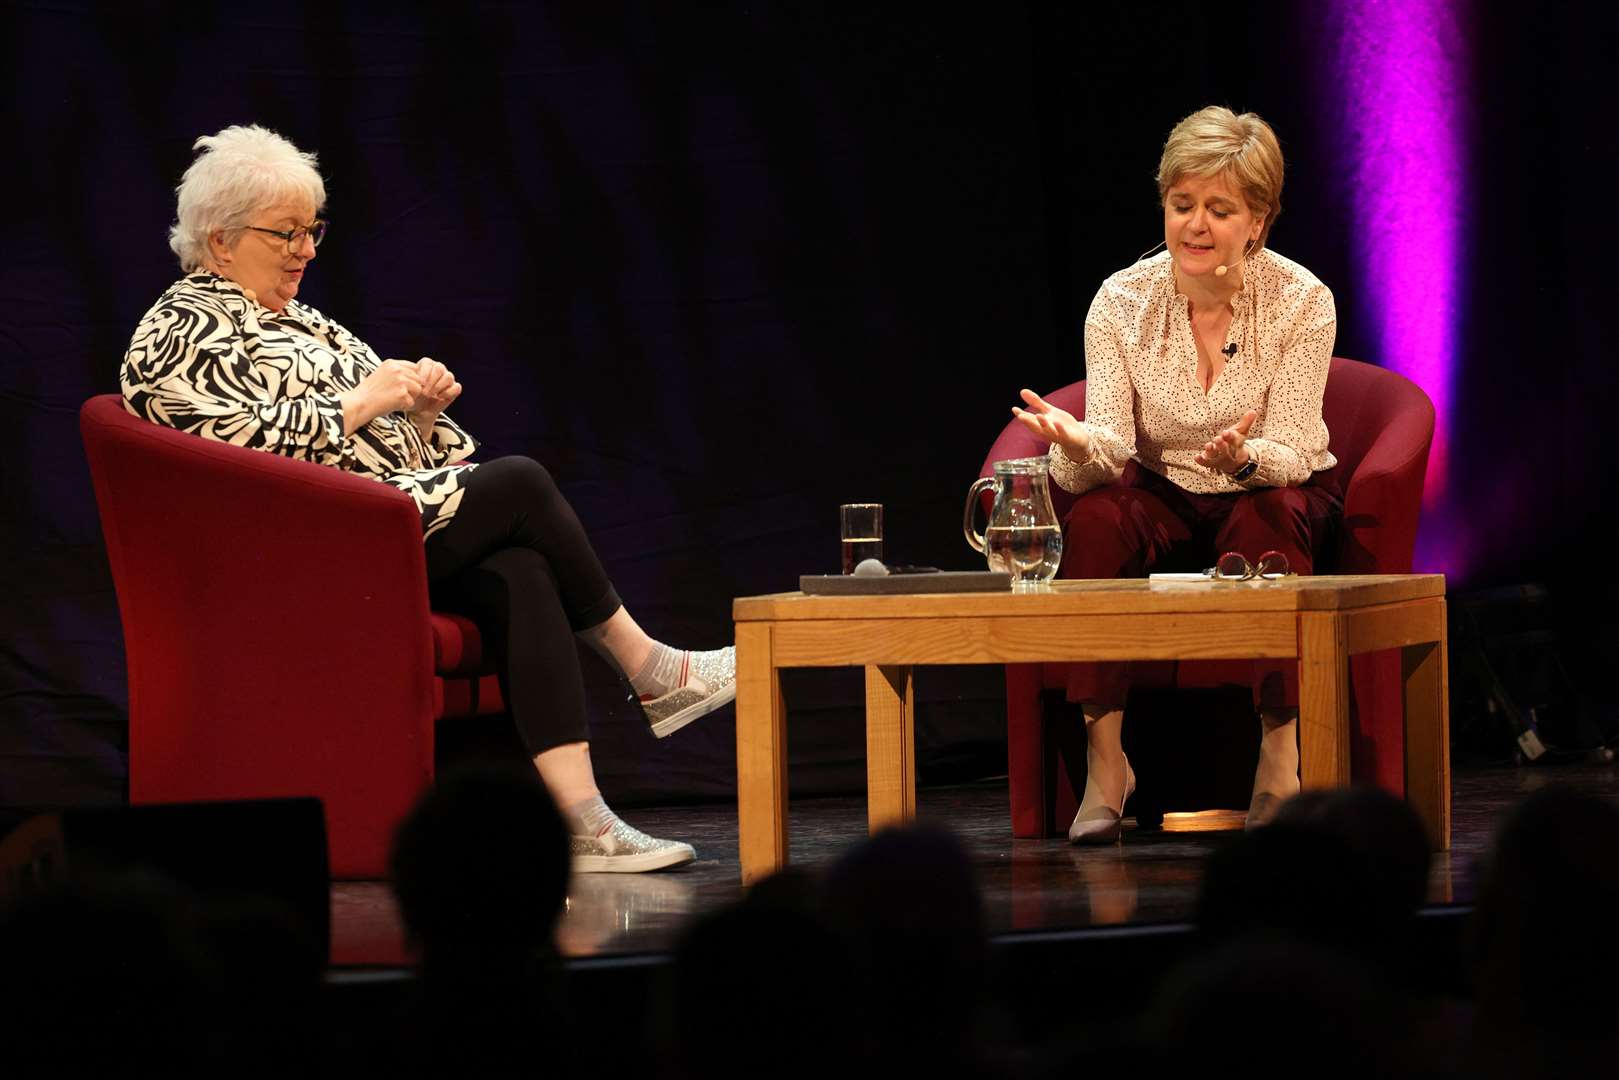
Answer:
(1215, 141)
(238, 173)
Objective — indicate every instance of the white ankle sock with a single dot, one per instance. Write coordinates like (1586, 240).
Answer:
(665, 669)
(590, 817)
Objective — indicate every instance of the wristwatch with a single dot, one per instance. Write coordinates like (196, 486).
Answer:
(1247, 470)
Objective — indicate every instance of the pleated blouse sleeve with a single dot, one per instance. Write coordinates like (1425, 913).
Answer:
(1109, 404)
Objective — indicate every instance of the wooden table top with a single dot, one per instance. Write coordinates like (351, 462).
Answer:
(1133, 596)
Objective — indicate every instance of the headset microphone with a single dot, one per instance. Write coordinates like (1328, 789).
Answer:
(1220, 271)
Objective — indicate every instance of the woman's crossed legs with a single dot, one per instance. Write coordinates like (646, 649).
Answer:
(516, 560)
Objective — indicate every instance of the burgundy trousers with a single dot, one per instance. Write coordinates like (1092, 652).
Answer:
(1145, 524)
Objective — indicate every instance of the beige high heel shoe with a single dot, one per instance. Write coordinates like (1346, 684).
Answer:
(1267, 799)
(1103, 824)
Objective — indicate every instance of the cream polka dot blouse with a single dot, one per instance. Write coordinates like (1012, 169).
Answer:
(1143, 399)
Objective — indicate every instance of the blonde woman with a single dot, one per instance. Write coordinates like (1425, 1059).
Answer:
(1205, 366)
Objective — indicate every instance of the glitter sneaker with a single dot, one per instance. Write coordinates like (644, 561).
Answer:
(626, 850)
(711, 682)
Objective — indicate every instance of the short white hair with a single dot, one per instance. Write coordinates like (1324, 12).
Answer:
(238, 173)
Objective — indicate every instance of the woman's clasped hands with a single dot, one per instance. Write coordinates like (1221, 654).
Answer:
(421, 389)
(438, 390)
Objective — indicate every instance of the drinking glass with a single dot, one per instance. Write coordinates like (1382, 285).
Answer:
(860, 525)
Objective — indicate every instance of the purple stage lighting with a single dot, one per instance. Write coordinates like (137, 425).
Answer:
(1398, 83)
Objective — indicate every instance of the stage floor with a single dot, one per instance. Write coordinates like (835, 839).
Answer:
(1151, 877)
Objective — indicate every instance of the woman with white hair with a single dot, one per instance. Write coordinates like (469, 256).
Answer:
(229, 353)
(1203, 437)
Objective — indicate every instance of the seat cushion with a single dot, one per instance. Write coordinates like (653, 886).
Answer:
(458, 697)
(466, 684)
(457, 645)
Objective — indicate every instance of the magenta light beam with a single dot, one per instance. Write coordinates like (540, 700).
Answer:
(1401, 76)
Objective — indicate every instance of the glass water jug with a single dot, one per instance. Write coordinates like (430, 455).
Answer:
(1024, 537)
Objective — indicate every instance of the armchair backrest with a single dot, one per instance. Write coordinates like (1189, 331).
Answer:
(1382, 426)
(1376, 418)
(275, 618)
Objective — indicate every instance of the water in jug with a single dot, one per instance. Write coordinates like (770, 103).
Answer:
(1023, 537)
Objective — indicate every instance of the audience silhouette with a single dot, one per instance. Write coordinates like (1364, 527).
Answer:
(1308, 926)
(761, 987)
(907, 904)
(120, 969)
(1306, 956)
(1544, 947)
(480, 869)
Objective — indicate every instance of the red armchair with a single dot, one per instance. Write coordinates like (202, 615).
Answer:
(1381, 426)
(277, 631)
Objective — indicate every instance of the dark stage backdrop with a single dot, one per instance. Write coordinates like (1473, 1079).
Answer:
(723, 267)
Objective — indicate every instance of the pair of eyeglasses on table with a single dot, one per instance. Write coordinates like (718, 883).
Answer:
(1234, 566)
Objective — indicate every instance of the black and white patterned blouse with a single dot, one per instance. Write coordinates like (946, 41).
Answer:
(209, 360)
(1143, 398)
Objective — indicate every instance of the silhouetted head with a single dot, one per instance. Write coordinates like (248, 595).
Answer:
(1381, 828)
(1251, 1005)
(1543, 925)
(106, 971)
(908, 904)
(725, 1021)
(1287, 878)
(480, 866)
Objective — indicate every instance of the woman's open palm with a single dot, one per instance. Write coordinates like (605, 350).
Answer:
(1053, 425)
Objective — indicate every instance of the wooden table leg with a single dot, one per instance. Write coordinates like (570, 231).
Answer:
(761, 755)
(1323, 701)
(1425, 669)
(890, 746)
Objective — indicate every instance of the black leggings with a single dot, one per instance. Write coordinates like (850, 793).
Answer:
(515, 560)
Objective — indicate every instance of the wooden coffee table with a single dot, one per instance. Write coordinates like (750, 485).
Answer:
(1320, 621)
